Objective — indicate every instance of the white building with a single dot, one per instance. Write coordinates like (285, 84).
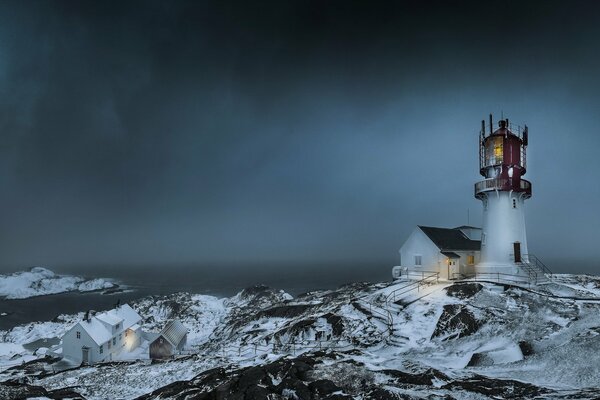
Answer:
(101, 336)
(452, 253)
(499, 250)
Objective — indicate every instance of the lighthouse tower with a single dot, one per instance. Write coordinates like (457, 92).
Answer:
(502, 162)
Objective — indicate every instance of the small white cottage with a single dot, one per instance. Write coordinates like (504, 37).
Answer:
(451, 253)
(101, 336)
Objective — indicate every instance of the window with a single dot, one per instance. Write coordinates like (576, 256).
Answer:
(120, 336)
(470, 260)
(483, 239)
(126, 332)
(114, 341)
(514, 203)
(417, 260)
(494, 150)
(108, 344)
(78, 335)
(101, 349)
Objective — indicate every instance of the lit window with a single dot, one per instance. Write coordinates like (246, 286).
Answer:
(498, 149)
(470, 260)
(417, 260)
(494, 150)
(78, 335)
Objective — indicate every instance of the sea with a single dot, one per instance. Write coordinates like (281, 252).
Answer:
(215, 280)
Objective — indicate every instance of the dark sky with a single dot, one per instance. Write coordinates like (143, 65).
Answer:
(205, 132)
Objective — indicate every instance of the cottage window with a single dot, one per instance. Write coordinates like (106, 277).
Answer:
(417, 260)
(114, 341)
(101, 349)
(470, 260)
(78, 335)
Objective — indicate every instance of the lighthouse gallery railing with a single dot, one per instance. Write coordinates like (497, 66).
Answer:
(518, 185)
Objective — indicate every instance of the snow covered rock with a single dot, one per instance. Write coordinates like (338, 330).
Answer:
(455, 322)
(41, 281)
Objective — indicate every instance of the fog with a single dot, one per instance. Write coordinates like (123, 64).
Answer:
(136, 133)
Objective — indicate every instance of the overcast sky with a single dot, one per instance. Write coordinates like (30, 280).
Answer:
(200, 132)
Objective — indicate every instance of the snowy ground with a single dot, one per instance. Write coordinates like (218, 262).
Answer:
(471, 335)
(41, 281)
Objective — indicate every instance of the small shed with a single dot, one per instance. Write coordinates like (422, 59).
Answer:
(169, 341)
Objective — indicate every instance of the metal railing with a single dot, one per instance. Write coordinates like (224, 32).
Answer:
(425, 280)
(493, 277)
(537, 263)
(502, 184)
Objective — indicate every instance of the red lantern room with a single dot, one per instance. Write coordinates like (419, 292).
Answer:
(502, 159)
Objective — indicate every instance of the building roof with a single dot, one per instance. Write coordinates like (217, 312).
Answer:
(129, 315)
(450, 254)
(174, 332)
(450, 239)
(109, 318)
(96, 328)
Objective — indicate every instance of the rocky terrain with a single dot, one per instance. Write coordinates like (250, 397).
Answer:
(465, 340)
(41, 281)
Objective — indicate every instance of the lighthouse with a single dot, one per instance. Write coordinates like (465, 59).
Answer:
(503, 191)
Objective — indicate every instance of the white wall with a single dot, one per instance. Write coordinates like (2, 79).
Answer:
(72, 346)
(419, 244)
(502, 226)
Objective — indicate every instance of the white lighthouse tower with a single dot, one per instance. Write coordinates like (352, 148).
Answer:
(502, 162)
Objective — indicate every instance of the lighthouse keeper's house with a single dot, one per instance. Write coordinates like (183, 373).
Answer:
(451, 253)
(100, 337)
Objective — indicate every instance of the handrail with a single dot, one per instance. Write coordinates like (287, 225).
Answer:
(413, 285)
(538, 263)
(492, 275)
(502, 184)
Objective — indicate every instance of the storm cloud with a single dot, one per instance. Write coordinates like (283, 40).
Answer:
(198, 132)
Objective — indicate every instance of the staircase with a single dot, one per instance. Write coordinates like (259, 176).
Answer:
(536, 269)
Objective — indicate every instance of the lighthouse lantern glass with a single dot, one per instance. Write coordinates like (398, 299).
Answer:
(494, 151)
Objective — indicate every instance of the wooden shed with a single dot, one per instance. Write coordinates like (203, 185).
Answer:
(169, 341)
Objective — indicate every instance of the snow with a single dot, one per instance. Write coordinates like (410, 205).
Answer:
(10, 349)
(41, 281)
(109, 318)
(96, 329)
(563, 333)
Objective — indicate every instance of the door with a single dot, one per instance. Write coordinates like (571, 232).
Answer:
(453, 269)
(85, 355)
(517, 250)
